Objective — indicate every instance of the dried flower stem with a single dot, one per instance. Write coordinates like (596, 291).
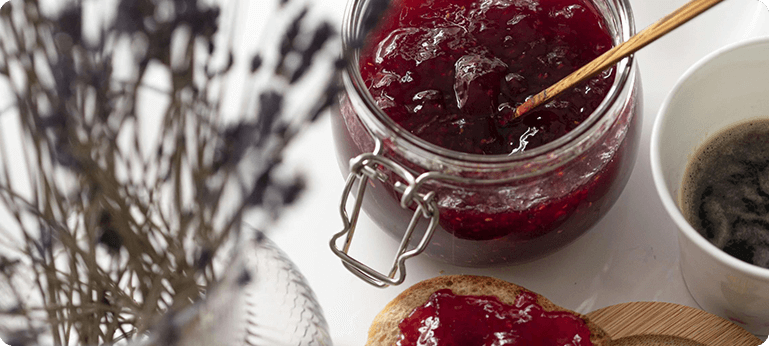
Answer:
(111, 229)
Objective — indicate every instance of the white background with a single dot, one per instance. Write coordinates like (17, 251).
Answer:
(631, 255)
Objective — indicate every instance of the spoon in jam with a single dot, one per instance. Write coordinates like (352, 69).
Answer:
(614, 55)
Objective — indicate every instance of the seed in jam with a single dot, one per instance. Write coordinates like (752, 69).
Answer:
(452, 320)
(452, 71)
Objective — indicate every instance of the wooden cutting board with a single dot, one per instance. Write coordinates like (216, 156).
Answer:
(657, 323)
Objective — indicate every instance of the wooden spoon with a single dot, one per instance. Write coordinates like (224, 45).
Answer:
(612, 56)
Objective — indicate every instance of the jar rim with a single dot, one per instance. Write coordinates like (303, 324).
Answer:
(353, 78)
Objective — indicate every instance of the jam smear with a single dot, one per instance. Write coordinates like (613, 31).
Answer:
(452, 320)
(452, 71)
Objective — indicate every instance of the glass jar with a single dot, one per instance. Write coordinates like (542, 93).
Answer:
(482, 210)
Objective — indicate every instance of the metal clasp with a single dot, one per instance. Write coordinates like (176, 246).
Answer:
(365, 167)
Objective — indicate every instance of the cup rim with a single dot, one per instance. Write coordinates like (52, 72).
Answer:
(668, 201)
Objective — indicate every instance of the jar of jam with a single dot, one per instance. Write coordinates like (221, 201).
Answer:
(426, 136)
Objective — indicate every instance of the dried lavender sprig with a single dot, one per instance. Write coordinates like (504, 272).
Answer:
(104, 195)
(287, 44)
(321, 35)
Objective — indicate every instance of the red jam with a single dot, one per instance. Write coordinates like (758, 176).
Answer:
(450, 320)
(452, 71)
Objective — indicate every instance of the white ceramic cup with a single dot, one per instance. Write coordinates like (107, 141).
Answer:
(727, 87)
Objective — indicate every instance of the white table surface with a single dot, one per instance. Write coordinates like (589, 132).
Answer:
(630, 255)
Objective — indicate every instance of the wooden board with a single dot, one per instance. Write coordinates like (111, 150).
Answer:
(654, 340)
(657, 323)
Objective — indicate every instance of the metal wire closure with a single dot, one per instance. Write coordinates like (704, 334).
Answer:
(362, 168)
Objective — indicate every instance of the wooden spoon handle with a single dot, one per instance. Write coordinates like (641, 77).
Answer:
(612, 56)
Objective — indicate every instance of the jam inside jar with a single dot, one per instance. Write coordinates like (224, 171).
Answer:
(506, 190)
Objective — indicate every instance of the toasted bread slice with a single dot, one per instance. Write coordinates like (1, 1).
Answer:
(384, 330)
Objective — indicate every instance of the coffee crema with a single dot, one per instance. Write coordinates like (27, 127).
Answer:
(725, 191)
